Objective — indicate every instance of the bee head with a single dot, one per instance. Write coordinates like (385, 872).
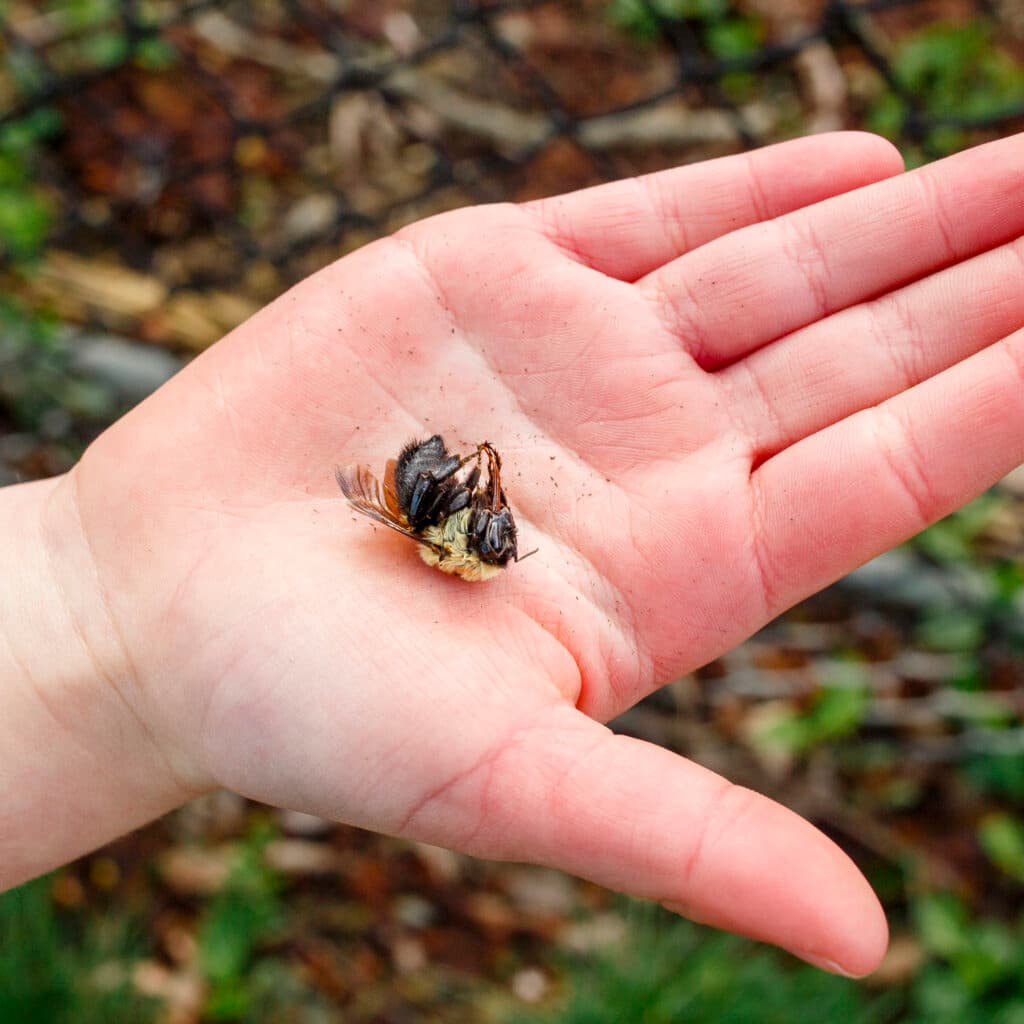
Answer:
(494, 535)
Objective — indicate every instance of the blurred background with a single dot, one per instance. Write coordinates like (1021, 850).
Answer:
(166, 168)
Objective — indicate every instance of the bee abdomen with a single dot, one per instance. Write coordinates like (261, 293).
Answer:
(451, 552)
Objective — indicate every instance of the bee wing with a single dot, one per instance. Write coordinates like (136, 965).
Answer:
(391, 489)
(362, 489)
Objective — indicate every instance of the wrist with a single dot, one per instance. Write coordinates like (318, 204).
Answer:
(81, 761)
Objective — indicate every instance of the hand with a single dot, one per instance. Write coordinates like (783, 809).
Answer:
(711, 398)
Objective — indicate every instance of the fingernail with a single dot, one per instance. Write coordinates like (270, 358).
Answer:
(826, 965)
(683, 910)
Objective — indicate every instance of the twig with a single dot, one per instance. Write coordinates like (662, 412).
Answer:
(666, 121)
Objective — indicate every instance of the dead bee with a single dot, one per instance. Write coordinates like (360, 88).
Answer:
(463, 528)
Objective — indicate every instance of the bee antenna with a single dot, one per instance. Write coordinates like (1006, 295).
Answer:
(523, 558)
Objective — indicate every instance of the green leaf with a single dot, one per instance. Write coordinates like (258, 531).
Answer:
(703, 10)
(228, 1000)
(25, 220)
(1007, 581)
(941, 923)
(997, 773)
(886, 116)
(940, 997)
(83, 14)
(241, 917)
(734, 38)
(643, 18)
(155, 54)
(635, 16)
(20, 137)
(952, 539)
(953, 631)
(106, 49)
(952, 70)
(991, 955)
(1002, 838)
(669, 971)
(48, 968)
(838, 711)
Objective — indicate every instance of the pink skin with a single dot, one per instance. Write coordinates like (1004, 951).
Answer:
(715, 390)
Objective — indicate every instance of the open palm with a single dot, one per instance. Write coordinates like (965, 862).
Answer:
(711, 399)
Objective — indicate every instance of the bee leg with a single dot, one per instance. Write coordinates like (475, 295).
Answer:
(429, 479)
(424, 485)
(435, 506)
(454, 464)
(457, 498)
(495, 494)
(473, 479)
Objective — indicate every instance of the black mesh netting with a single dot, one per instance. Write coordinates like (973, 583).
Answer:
(180, 164)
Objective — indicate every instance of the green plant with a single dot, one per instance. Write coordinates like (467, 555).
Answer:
(643, 18)
(84, 14)
(38, 388)
(954, 539)
(94, 35)
(243, 915)
(1002, 838)
(997, 773)
(26, 211)
(956, 544)
(724, 33)
(52, 972)
(668, 971)
(836, 710)
(976, 971)
(955, 71)
(89, 35)
(953, 630)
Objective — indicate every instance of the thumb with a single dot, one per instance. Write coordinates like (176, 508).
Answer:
(632, 816)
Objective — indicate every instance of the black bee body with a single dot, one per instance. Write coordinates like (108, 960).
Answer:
(425, 482)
